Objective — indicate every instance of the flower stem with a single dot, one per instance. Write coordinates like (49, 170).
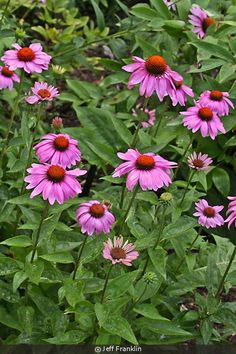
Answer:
(122, 196)
(221, 285)
(13, 114)
(157, 240)
(158, 126)
(182, 158)
(43, 216)
(189, 249)
(128, 208)
(186, 188)
(79, 257)
(105, 284)
(27, 164)
(135, 137)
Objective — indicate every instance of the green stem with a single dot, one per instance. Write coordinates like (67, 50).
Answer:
(182, 158)
(13, 114)
(221, 285)
(105, 284)
(4, 13)
(189, 249)
(122, 196)
(136, 301)
(43, 216)
(79, 257)
(157, 241)
(128, 209)
(186, 188)
(158, 126)
(28, 163)
(135, 137)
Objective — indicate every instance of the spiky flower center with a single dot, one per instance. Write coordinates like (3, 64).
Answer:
(25, 54)
(6, 72)
(61, 143)
(205, 114)
(207, 22)
(216, 95)
(118, 253)
(44, 93)
(209, 212)
(145, 162)
(156, 65)
(97, 210)
(178, 84)
(198, 163)
(56, 173)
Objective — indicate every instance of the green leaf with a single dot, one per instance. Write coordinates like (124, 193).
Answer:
(214, 49)
(206, 330)
(221, 181)
(73, 291)
(8, 320)
(59, 257)
(70, 337)
(19, 278)
(161, 7)
(18, 241)
(6, 293)
(8, 265)
(149, 311)
(99, 15)
(144, 11)
(120, 285)
(26, 316)
(178, 228)
(116, 325)
(163, 327)
(34, 270)
(158, 258)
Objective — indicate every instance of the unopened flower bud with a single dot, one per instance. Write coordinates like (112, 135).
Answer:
(166, 197)
(57, 69)
(57, 123)
(150, 278)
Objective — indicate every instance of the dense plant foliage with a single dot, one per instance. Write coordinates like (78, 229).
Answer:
(77, 103)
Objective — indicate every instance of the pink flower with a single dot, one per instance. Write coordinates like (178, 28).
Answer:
(94, 217)
(58, 149)
(57, 123)
(53, 182)
(231, 212)
(203, 118)
(117, 252)
(199, 162)
(32, 59)
(179, 93)
(216, 100)
(150, 171)
(200, 20)
(152, 74)
(170, 4)
(208, 216)
(42, 92)
(7, 78)
(151, 116)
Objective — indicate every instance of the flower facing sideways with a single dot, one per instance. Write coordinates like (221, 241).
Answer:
(53, 182)
(216, 100)
(42, 92)
(31, 59)
(208, 216)
(203, 118)
(119, 252)
(200, 20)
(58, 149)
(94, 217)
(179, 93)
(231, 212)
(199, 161)
(149, 170)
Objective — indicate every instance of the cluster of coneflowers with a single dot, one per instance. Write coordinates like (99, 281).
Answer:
(55, 177)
